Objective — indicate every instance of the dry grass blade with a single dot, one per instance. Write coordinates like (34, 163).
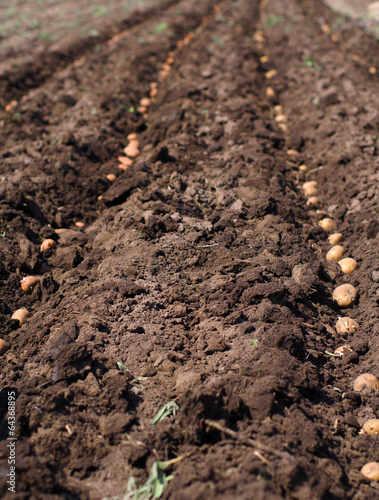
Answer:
(250, 442)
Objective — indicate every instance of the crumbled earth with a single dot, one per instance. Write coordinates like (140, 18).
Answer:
(201, 268)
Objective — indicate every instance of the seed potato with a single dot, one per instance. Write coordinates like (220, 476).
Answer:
(346, 325)
(29, 283)
(280, 118)
(131, 149)
(313, 201)
(310, 188)
(371, 471)
(48, 244)
(124, 160)
(20, 315)
(335, 253)
(348, 265)
(4, 346)
(328, 224)
(366, 380)
(278, 109)
(342, 350)
(371, 426)
(345, 295)
(145, 101)
(335, 238)
(271, 74)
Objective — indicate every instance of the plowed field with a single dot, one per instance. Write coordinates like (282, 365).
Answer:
(190, 269)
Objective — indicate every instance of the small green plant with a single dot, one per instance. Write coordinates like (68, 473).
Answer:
(159, 28)
(48, 36)
(95, 33)
(334, 355)
(2, 234)
(254, 342)
(34, 25)
(100, 11)
(137, 386)
(339, 390)
(169, 409)
(122, 367)
(270, 21)
(309, 61)
(154, 486)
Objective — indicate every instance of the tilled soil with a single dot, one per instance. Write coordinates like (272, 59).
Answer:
(201, 268)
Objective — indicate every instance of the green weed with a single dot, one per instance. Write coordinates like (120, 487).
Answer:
(169, 409)
(100, 11)
(161, 27)
(270, 21)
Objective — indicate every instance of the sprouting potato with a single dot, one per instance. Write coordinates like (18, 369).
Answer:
(348, 265)
(345, 295)
(303, 168)
(371, 471)
(342, 350)
(371, 426)
(366, 380)
(335, 238)
(111, 177)
(328, 224)
(29, 283)
(20, 315)
(310, 188)
(346, 325)
(335, 253)
(4, 346)
(48, 244)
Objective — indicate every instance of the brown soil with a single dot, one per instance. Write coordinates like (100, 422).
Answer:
(201, 268)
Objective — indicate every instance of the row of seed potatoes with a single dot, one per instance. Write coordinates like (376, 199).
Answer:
(344, 295)
(28, 284)
(131, 152)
